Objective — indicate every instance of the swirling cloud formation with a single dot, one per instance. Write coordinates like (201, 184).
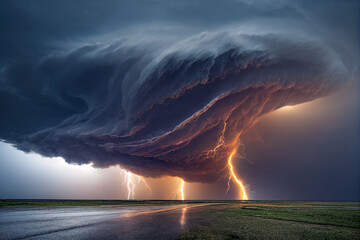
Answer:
(156, 102)
(162, 109)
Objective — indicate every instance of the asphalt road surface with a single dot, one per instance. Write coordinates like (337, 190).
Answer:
(99, 222)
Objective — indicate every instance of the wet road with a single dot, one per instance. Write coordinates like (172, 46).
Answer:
(99, 222)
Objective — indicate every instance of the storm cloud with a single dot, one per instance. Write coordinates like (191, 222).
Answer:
(158, 103)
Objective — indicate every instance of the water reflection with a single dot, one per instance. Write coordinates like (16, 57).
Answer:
(183, 216)
(143, 212)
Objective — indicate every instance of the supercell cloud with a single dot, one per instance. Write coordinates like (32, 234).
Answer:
(157, 103)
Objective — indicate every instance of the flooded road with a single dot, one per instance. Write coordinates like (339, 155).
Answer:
(100, 222)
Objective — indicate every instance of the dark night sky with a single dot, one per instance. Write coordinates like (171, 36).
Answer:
(169, 88)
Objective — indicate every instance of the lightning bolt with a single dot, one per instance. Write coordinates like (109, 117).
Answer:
(243, 195)
(180, 191)
(228, 184)
(131, 181)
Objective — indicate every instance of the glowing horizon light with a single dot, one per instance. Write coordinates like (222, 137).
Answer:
(243, 195)
(287, 108)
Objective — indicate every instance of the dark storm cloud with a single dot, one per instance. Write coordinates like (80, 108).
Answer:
(155, 103)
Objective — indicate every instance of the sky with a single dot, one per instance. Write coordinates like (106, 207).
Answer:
(91, 92)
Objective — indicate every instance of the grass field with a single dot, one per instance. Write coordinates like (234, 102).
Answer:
(249, 219)
(281, 220)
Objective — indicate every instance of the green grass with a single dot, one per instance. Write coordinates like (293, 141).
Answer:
(280, 220)
(250, 219)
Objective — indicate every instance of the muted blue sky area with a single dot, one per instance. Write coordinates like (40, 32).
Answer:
(154, 86)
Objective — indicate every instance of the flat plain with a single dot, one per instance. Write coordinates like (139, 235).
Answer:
(107, 219)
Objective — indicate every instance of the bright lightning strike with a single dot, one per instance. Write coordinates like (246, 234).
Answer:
(243, 195)
(131, 181)
(180, 191)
